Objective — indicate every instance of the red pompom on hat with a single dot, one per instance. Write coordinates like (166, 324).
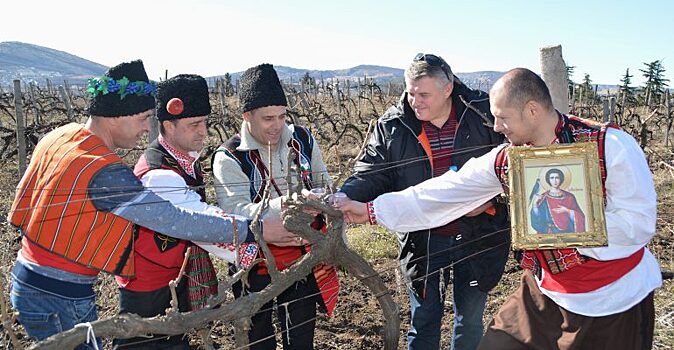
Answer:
(183, 96)
(175, 106)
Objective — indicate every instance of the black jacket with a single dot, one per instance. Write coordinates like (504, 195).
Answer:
(395, 160)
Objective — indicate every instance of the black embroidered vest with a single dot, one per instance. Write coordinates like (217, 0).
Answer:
(253, 165)
(157, 157)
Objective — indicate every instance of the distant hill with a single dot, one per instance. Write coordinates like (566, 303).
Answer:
(29, 62)
(480, 80)
(36, 63)
(380, 74)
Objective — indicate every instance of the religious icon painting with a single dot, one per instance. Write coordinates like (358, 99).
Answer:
(556, 197)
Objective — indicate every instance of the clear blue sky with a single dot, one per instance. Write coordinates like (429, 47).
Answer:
(210, 37)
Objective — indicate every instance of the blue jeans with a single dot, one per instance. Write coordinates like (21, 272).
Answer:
(44, 314)
(427, 310)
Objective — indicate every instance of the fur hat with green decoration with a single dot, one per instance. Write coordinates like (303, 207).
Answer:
(124, 90)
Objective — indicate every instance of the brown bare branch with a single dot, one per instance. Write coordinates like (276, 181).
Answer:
(7, 320)
(352, 161)
(331, 249)
(327, 248)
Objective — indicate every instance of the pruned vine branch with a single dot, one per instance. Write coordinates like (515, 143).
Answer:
(329, 248)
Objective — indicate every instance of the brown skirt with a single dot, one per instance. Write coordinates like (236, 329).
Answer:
(530, 320)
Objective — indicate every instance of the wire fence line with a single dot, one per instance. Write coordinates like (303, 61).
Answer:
(395, 286)
(337, 113)
(337, 119)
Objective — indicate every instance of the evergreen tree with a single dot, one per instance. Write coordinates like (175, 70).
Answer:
(229, 88)
(587, 89)
(569, 75)
(655, 84)
(629, 92)
(308, 80)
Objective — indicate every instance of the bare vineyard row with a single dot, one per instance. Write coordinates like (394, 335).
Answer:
(337, 114)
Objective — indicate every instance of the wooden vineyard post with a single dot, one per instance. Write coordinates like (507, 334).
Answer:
(337, 98)
(611, 109)
(20, 126)
(573, 99)
(221, 95)
(670, 118)
(33, 103)
(66, 101)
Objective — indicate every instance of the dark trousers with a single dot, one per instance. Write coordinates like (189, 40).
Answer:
(530, 320)
(149, 304)
(296, 311)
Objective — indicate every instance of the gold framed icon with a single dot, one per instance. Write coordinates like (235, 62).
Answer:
(556, 197)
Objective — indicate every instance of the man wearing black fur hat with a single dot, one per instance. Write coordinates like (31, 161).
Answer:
(170, 167)
(77, 204)
(244, 159)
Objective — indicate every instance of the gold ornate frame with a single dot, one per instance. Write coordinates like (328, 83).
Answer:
(581, 161)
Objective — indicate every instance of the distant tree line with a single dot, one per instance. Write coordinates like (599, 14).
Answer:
(652, 92)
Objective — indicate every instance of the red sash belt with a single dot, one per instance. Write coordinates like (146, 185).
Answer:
(591, 275)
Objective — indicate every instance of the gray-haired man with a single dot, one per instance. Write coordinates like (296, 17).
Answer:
(438, 125)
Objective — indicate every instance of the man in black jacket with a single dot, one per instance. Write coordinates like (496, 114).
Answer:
(438, 125)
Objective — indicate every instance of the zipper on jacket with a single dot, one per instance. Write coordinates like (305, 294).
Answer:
(428, 156)
(464, 112)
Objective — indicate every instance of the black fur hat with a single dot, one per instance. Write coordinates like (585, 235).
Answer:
(124, 90)
(260, 87)
(183, 96)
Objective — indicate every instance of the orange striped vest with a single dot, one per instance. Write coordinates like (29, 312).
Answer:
(53, 209)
